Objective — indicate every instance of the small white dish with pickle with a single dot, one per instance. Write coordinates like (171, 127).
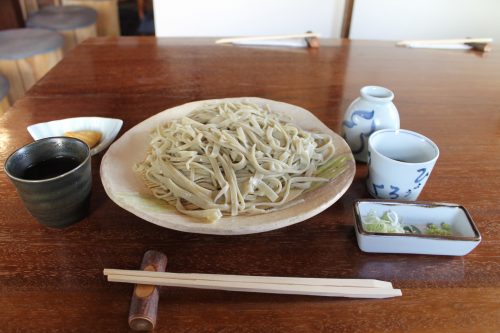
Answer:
(106, 128)
(388, 226)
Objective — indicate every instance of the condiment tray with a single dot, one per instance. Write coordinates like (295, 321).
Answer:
(109, 128)
(464, 233)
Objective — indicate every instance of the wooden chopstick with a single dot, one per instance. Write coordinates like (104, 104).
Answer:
(272, 288)
(360, 283)
(227, 282)
(254, 38)
(445, 41)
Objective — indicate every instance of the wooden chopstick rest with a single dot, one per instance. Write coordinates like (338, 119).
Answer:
(144, 304)
(312, 41)
(483, 47)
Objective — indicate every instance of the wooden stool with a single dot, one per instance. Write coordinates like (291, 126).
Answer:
(4, 91)
(75, 23)
(29, 7)
(26, 55)
(108, 22)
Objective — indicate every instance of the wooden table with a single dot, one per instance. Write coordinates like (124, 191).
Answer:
(51, 280)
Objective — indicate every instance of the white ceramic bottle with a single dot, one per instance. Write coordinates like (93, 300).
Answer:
(370, 112)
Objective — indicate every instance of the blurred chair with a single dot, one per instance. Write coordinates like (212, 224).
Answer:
(146, 15)
(26, 55)
(4, 91)
(108, 23)
(74, 23)
(129, 20)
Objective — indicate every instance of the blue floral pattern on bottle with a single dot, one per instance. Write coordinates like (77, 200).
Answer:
(371, 111)
(368, 115)
(363, 114)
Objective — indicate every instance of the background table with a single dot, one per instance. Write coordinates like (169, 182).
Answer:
(51, 280)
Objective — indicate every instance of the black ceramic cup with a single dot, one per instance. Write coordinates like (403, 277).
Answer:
(53, 178)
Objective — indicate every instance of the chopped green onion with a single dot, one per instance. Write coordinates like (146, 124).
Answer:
(389, 222)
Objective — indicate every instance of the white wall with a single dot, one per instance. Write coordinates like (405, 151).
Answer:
(425, 19)
(182, 18)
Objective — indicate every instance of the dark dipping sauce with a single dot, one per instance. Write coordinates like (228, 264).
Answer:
(50, 168)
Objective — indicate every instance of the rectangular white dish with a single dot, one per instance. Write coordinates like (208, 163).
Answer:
(463, 239)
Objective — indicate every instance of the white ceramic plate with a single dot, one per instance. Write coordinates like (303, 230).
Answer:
(109, 128)
(463, 239)
(128, 191)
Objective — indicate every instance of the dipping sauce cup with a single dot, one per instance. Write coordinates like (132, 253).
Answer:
(53, 178)
(399, 163)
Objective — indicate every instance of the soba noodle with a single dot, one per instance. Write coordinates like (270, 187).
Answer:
(232, 158)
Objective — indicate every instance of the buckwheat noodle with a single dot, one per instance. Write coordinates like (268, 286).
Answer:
(232, 158)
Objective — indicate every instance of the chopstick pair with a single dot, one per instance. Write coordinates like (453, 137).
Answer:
(358, 288)
(480, 44)
(308, 39)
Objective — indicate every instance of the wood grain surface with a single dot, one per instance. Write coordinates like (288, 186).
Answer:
(51, 280)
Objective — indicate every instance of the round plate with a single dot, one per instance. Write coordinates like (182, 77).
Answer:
(127, 190)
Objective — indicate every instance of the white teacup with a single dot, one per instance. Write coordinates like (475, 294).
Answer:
(399, 163)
